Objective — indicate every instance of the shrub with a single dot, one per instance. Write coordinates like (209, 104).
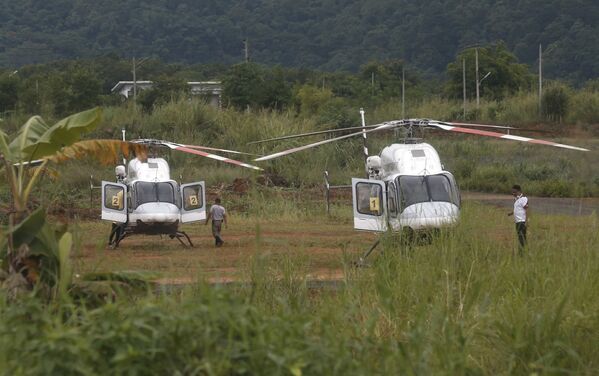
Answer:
(555, 102)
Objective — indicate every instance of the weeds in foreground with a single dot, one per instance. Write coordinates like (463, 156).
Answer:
(462, 304)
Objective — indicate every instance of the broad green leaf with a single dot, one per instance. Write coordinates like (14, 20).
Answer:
(26, 231)
(28, 135)
(64, 249)
(64, 133)
(4, 149)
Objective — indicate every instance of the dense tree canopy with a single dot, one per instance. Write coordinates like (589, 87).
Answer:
(499, 70)
(328, 34)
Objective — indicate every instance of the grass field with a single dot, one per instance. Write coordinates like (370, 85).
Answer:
(463, 304)
(283, 295)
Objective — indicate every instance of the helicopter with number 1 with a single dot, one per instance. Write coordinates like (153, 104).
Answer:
(407, 186)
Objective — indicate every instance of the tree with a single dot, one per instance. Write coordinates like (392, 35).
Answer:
(165, 89)
(8, 93)
(506, 77)
(243, 85)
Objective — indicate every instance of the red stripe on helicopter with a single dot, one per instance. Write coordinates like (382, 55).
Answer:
(214, 156)
(508, 137)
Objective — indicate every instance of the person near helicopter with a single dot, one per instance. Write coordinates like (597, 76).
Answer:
(219, 217)
(520, 214)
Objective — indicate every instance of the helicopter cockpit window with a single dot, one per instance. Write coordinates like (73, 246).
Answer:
(413, 190)
(439, 188)
(113, 197)
(417, 189)
(144, 192)
(369, 198)
(165, 192)
(154, 192)
(192, 197)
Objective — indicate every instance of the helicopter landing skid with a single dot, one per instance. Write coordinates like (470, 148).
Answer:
(120, 232)
(361, 262)
(180, 235)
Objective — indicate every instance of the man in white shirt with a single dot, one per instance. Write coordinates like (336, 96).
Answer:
(520, 214)
(219, 216)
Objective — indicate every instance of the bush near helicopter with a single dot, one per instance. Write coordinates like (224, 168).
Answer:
(145, 200)
(407, 187)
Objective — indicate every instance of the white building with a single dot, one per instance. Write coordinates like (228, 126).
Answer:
(211, 90)
(125, 88)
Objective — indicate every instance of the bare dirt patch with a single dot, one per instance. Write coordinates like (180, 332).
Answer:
(321, 246)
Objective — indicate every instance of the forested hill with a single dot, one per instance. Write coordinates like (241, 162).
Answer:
(325, 34)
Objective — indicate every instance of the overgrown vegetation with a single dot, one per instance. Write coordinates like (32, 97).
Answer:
(463, 304)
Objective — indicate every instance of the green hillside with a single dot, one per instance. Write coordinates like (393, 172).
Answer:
(327, 34)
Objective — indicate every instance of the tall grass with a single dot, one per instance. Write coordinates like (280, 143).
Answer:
(463, 304)
(479, 164)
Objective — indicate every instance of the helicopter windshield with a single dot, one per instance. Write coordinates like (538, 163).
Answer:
(154, 192)
(417, 189)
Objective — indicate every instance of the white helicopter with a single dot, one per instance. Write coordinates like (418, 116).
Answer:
(145, 200)
(407, 186)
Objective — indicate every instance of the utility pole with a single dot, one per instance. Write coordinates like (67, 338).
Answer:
(246, 50)
(540, 79)
(403, 92)
(372, 84)
(134, 84)
(136, 63)
(477, 80)
(464, 84)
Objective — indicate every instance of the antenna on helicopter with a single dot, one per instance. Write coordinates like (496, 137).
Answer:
(124, 131)
(364, 138)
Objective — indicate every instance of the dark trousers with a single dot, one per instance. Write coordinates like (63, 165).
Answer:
(216, 228)
(521, 231)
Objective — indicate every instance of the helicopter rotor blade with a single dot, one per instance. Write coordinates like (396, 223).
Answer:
(450, 127)
(338, 130)
(221, 150)
(187, 149)
(378, 127)
(482, 125)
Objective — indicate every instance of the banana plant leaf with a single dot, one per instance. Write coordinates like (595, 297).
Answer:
(37, 140)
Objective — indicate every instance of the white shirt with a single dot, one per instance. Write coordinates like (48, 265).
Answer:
(520, 208)
(217, 212)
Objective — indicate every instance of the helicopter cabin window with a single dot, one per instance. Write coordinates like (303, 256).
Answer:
(417, 189)
(392, 199)
(154, 192)
(113, 197)
(192, 197)
(369, 199)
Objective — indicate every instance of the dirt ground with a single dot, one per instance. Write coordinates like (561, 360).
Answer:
(321, 245)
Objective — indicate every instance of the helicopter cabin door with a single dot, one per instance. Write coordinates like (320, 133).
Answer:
(193, 202)
(114, 202)
(369, 200)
